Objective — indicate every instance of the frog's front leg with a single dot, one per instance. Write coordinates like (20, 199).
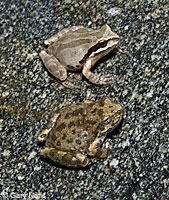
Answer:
(65, 158)
(98, 80)
(100, 148)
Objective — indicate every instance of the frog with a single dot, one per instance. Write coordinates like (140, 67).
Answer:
(79, 48)
(76, 136)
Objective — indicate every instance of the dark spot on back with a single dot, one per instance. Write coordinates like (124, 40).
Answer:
(78, 123)
(60, 127)
(94, 110)
(53, 137)
(100, 112)
(72, 123)
(78, 111)
(78, 141)
(67, 116)
(58, 143)
(90, 122)
(64, 136)
(69, 140)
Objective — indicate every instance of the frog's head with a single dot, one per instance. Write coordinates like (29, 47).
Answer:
(112, 112)
(105, 42)
(108, 37)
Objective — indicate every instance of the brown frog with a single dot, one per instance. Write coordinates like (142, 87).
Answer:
(76, 136)
(78, 48)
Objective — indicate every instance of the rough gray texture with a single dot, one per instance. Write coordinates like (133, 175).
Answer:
(138, 165)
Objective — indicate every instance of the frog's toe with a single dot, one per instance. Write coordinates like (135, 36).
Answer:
(69, 84)
(107, 144)
(106, 79)
(43, 135)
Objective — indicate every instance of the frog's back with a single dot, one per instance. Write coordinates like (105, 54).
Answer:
(71, 48)
(76, 128)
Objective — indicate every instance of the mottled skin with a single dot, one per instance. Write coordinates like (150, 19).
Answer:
(76, 136)
(78, 48)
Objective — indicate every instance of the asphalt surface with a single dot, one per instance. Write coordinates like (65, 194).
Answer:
(137, 167)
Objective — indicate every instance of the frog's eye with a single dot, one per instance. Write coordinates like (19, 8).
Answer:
(102, 43)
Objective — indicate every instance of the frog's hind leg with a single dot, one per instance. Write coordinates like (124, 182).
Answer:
(54, 66)
(57, 70)
(65, 158)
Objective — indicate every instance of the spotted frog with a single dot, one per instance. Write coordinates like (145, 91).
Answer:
(76, 136)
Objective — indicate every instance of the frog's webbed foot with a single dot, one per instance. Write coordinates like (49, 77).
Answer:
(98, 80)
(106, 79)
(65, 158)
(44, 134)
(122, 50)
(106, 148)
(54, 66)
